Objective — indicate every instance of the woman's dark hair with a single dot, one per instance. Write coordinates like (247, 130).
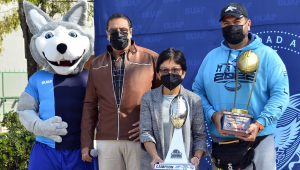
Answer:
(172, 54)
(118, 15)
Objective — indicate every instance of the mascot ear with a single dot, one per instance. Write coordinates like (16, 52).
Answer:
(36, 18)
(77, 14)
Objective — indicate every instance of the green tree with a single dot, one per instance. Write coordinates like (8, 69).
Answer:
(15, 17)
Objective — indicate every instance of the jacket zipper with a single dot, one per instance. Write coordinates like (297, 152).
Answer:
(121, 96)
(115, 95)
(100, 67)
(143, 64)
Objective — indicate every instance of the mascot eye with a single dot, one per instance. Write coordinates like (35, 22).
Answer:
(49, 35)
(73, 34)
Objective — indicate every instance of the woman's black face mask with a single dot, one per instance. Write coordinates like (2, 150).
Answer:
(171, 81)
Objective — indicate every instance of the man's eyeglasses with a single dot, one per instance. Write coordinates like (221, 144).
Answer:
(165, 71)
(115, 30)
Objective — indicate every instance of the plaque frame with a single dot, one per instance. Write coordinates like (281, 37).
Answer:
(227, 115)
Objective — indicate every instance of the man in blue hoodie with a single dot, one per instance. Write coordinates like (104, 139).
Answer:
(215, 84)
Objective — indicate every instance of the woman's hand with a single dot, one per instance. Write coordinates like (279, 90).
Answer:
(135, 133)
(195, 161)
(151, 149)
(85, 154)
(155, 161)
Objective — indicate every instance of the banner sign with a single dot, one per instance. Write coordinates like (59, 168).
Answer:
(193, 27)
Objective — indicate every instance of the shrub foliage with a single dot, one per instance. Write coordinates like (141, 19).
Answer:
(16, 144)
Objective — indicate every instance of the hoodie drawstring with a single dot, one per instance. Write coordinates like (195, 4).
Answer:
(228, 60)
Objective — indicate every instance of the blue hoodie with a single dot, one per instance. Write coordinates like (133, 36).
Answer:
(216, 87)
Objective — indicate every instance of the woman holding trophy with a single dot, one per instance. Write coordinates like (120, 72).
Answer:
(172, 128)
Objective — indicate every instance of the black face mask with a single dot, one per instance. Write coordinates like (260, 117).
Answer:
(233, 34)
(171, 81)
(119, 40)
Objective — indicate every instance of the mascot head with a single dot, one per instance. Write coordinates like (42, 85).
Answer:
(61, 47)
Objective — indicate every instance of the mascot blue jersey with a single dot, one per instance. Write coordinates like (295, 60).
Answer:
(60, 95)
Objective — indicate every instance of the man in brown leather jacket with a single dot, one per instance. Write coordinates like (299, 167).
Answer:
(117, 80)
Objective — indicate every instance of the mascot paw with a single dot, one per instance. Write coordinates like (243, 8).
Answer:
(53, 128)
(56, 138)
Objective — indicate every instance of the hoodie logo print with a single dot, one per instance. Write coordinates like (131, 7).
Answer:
(280, 107)
(285, 73)
(285, 91)
(225, 74)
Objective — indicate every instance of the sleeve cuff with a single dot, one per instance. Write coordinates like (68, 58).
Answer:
(261, 121)
(209, 115)
(87, 146)
(204, 149)
(146, 139)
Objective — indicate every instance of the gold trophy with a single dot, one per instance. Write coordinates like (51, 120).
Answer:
(177, 157)
(237, 121)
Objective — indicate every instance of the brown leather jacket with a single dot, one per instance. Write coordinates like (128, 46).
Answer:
(100, 107)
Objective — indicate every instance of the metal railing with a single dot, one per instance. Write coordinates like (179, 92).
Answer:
(3, 97)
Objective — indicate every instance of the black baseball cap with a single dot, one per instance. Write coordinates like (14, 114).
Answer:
(235, 9)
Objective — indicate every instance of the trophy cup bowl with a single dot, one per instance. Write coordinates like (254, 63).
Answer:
(178, 111)
(248, 62)
(177, 157)
(237, 121)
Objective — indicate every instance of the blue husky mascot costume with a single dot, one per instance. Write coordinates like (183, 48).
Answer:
(51, 105)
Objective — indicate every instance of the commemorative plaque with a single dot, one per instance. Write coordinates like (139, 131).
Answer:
(237, 121)
(177, 157)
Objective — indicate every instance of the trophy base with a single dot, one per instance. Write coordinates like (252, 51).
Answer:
(163, 166)
(235, 123)
(235, 133)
